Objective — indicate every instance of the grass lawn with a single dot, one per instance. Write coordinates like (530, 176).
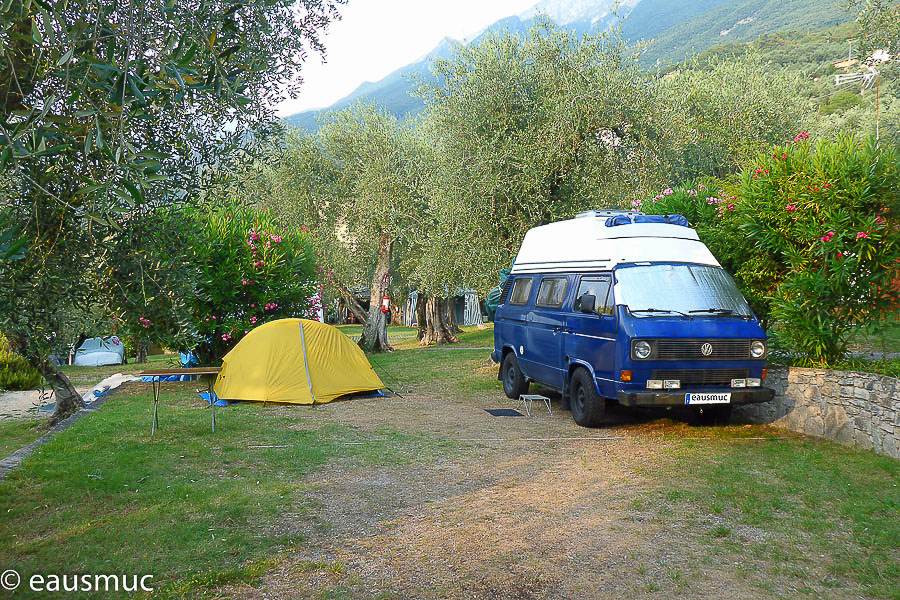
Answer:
(887, 340)
(93, 375)
(315, 501)
(17, 433)
(188, 505)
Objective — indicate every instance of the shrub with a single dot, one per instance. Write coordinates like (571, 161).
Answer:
(251, 271)
(218, 271)
(809, 231)
(15, 372)
(823, 215)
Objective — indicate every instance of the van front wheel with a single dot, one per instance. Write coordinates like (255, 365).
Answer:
(514, 382)
(588, 407)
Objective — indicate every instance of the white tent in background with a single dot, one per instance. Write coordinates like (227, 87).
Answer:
(466, 305)
(96, 352)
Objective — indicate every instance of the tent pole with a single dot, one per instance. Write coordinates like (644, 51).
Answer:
(306, 364)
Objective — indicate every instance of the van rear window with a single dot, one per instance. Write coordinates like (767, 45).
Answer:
(521, 291)
(552, 292)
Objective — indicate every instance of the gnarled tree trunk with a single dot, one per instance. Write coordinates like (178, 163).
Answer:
(436, 329)
(67, 399)
(374, 335)
(356, 309)
(421, 320)
(141, 349)
(450, 316)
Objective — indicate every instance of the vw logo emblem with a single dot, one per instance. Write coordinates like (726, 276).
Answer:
(706, 349)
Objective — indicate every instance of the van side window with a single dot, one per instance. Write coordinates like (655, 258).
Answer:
(599, 288)
(552, 292)
(521, 290)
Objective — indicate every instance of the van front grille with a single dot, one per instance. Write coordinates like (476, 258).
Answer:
(690, 349)
(695, 377)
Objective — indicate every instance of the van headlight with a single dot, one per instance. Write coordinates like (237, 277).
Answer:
(757, 348)
(641, 350)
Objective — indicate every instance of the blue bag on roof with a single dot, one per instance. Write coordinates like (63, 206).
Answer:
(627, 220)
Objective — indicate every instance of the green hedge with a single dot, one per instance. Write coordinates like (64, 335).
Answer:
(15, 372)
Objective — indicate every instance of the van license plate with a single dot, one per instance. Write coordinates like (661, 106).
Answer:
(707, 398)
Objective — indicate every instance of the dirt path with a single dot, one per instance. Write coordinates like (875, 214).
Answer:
(24, 404)
(508, 516)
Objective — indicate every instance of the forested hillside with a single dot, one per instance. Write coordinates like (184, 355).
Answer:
(848, 108)
(734, 21)
(671, 30)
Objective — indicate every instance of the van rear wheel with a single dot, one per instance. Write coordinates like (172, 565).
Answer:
(588, 407)
(514, 382)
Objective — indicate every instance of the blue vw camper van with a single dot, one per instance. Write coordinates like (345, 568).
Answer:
(624, 307)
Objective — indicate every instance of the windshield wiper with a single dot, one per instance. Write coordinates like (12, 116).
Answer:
(719, 311)
(662, 310)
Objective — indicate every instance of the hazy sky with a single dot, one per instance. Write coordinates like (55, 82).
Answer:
(375, 38)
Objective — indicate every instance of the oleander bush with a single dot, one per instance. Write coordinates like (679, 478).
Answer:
(809, 231)
(15, 372)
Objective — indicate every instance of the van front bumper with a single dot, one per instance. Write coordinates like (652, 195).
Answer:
(676, 398)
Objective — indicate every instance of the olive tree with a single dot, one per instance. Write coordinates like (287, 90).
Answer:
(355, 185)
(527, 130)
(108, 106)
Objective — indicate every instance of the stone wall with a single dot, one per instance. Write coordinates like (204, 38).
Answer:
(852, 408)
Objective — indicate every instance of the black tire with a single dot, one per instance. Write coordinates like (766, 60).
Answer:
(514, 383)
(714, 415)
(588, 407)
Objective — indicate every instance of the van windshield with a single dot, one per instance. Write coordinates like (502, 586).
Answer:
(687, 290)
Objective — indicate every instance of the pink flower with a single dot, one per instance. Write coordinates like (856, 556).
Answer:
(827, 237)
(862, 234)
(226, 337)
(252, 306)
(668, 192)
(784, 156)
(655, 198)
(802, 135)
(731, 206)
(252, 320)
(790, 207)
(701, 187)
(691, 192)
(635, 204)
(840, 255)
(879, 219)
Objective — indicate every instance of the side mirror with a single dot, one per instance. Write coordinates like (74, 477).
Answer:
(588, 303)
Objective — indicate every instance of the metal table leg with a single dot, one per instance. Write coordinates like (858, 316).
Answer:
(156, 385)
(212, 401)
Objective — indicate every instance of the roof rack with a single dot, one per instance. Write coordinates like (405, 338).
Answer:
(603, 214)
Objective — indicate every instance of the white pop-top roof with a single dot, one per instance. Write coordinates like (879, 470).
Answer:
(587, 244)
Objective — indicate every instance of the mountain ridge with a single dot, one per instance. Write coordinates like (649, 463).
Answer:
(673, 29)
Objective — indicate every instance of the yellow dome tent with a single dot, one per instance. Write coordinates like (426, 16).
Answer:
(295, 361)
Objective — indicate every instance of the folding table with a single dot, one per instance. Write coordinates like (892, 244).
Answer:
(156, 378)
